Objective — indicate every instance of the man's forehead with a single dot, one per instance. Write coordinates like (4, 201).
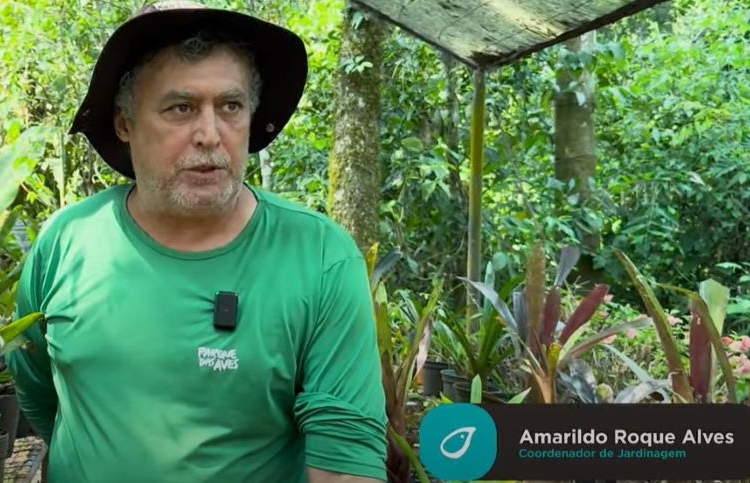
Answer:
(189, 95)
(167, 57)
(171, 74)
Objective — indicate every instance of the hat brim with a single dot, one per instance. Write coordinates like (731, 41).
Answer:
(280, 57)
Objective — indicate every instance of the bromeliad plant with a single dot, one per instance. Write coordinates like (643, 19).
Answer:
(480, 347)
(549, 338)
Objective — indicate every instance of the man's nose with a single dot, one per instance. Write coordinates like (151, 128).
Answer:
(207, 130)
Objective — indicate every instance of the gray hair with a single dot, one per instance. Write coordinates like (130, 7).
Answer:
(192, 49)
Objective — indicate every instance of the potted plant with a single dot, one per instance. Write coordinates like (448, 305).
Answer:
(547, 335)
(9, 408)
(3, 451)
(477, 349)
(432, 382)
(440, 370)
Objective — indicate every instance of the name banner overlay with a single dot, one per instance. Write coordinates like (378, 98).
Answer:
(463, 441)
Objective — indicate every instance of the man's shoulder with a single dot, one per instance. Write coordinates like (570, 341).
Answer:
(313, 223)
(82, 213)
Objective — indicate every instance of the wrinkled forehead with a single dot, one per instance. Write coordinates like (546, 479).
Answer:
(221, 69)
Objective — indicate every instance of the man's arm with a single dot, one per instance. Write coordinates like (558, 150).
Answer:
(30, 368)
(341, 407)
(315, 475)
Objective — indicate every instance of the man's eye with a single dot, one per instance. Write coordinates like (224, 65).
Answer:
(180, 108)
(233, 106)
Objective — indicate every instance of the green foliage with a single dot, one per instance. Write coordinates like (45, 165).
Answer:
(16, 161)
(671, 124)
(403, 332)
(548, 337)
(674, 123)
(671, 187)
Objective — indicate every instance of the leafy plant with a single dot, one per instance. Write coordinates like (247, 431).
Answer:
(480, 354)
(548, 338)
(708, 310)
(399, 364)
(16, 162)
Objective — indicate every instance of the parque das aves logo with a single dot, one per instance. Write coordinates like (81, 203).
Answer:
(458, 441)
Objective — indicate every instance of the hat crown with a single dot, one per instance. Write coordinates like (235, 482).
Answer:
(167, 5)
(280, 56)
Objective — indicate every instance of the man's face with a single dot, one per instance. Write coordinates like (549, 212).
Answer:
(189, 132)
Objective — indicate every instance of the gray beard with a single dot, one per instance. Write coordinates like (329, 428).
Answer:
(175, 197)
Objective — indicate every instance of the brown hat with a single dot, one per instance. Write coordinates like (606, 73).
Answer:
(280, 57)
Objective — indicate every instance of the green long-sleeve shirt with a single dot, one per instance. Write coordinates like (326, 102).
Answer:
(131, 381)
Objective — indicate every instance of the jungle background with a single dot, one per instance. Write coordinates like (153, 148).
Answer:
(635, 138)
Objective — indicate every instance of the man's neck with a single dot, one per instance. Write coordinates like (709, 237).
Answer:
(193, 233)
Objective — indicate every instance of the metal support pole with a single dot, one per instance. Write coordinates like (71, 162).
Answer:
(475, 188)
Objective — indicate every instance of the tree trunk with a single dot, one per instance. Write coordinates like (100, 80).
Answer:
(575, 157)
(354, 168)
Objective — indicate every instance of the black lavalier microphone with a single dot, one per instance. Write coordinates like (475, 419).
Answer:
(225, 310)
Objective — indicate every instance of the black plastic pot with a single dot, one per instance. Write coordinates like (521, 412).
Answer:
(463, 392)
(4, 440)
(9, 413)
(450, 377)
(24, 427)
(432, 379)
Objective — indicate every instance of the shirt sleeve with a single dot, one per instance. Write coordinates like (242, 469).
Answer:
(341, 408)
(30, 367)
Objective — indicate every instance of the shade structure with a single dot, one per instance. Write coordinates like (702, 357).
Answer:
(486, 34)
(490, 33)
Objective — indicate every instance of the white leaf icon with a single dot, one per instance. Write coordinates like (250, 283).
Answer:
(465, 433)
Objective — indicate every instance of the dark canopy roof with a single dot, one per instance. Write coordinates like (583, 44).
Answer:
(491, 33)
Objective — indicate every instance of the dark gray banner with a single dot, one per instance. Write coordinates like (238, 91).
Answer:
(654, 441)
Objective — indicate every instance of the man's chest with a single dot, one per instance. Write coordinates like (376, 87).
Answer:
(153, 331)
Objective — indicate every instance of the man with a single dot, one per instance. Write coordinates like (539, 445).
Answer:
(197, 328)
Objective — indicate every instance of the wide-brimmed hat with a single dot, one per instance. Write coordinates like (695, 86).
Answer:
(280, 58)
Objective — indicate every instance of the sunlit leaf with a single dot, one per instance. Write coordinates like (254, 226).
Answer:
(639, 392)
(519, 398)
(17, 161)
(476, 390)
(13, 329)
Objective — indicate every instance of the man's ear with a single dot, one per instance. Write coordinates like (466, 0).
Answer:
(122, 126)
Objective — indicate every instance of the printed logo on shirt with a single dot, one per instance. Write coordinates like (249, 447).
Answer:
(218, 359)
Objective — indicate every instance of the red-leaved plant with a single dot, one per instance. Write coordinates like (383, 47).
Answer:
(548, 337)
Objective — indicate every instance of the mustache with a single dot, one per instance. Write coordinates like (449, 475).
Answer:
(203, 159)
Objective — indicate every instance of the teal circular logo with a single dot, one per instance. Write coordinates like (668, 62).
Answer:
(458, 441)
